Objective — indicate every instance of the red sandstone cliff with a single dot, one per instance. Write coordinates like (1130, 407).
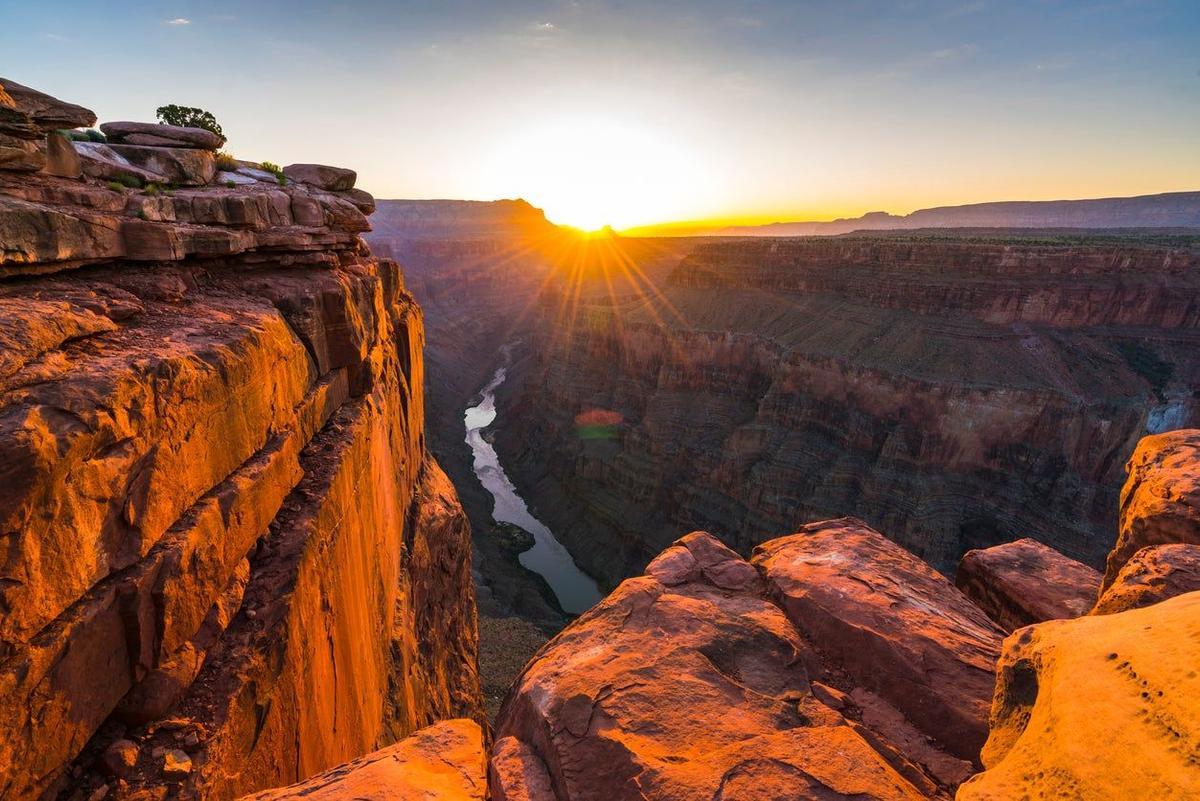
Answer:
(229, 562)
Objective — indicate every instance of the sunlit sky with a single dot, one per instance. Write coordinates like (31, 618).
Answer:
(632, 113)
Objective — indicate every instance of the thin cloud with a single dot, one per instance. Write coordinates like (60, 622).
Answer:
(544, 27)
(179, 21)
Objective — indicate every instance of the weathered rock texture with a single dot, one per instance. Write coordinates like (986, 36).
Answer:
(229, 562)
(1025, 582)
(1160, 502)
(444, 762)
(954, 392)
(834, 666)
(1154, 574)
(1099, 708)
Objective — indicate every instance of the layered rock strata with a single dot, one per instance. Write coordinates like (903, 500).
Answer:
(795, 676)
(1025, 582)
(953, 392)
(229, 561)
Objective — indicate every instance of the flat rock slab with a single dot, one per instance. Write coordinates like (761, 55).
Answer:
(1160, 502)
(1024, 582)
(443, 762)
(895, 625)
(1104, 708)
(156, 135)
(1153, 575)
(334, 179)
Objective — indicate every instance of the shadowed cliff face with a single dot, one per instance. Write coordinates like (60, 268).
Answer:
(954, 393)
(229, 561)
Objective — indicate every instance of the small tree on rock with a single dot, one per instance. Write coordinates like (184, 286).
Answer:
(188, 117)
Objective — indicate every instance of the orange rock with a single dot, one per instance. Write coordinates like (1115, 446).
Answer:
(1153, 575)
(1104, 708)
(685, 683)
(444, 762)
(1160, 502)
(1025, 582)
(892, 623)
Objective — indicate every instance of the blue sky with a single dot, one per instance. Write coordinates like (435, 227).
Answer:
(646, 112)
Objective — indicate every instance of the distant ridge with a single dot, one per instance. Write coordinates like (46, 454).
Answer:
(1167, 210)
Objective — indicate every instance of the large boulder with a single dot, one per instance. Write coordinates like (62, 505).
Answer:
(1153, 575)
(1160, 502)
(685, 683)
(1099, 708)
(892, 623)
(444, 762)
(334, 179)
(156, 135)
(179, 165)
(1025, 582)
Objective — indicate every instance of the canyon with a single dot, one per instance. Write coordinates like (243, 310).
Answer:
(234, 566)
(955, 390)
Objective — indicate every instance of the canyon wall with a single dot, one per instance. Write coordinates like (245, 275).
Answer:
(229, 561)
(954, 392)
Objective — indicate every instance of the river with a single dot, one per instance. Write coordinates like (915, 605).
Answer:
(576, 591)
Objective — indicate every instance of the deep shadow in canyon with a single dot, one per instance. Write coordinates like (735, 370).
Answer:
(956, 388)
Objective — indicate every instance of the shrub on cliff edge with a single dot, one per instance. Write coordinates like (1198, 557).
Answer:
(188, 117)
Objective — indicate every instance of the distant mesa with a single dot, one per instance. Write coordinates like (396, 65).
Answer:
(1168, 210)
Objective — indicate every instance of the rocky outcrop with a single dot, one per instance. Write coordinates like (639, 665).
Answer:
(1098, 707)
(834, 666)
(229, 561)
(1160, 502)
(1025, 582)
(444, 762)
(892, 624)
(954, 393)
(1153, 575)
(150, 134)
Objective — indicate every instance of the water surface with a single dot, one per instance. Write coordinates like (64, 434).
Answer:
(576, 591)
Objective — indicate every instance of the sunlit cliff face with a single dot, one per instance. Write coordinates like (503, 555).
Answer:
(597, 171)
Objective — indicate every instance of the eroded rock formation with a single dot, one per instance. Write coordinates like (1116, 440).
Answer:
(1160, 502)
(794, 676)
(229, 561)
(1099, 708)
(1154, 574)
(1025, 582)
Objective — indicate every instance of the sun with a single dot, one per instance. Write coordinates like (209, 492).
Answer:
(593, 171)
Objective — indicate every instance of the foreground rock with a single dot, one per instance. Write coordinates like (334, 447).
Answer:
(894, 625)
(1160, 502)
(230, 563)
(691, 682)
(444, 762)
(1026, 582)
(1153, 575)
(1098, 708)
